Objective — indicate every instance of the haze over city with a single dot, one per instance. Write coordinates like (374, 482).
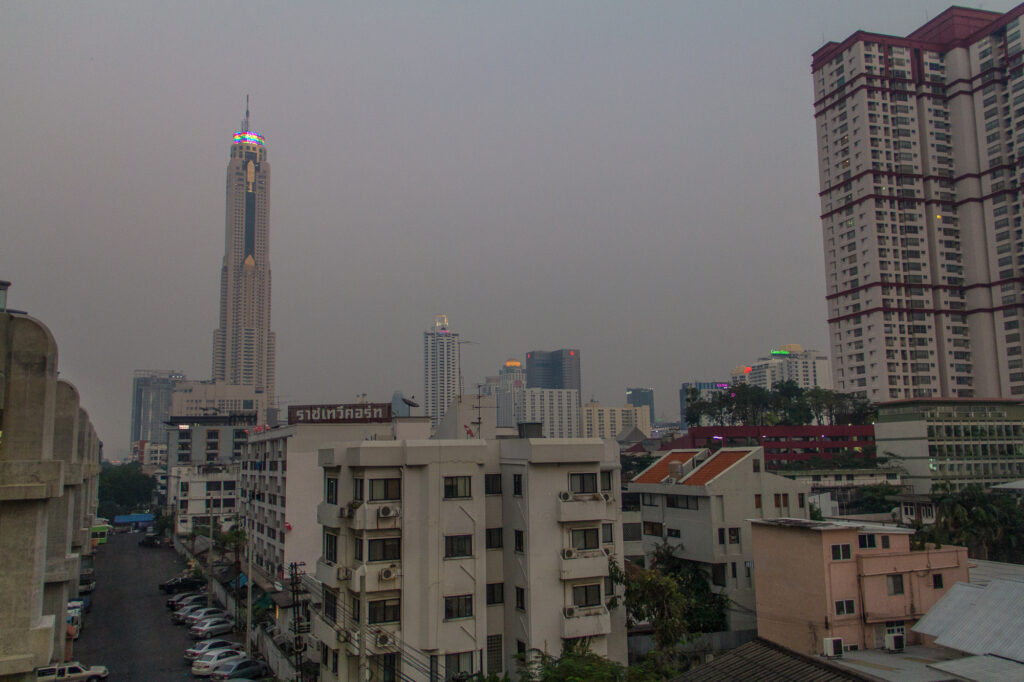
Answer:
(635, 180)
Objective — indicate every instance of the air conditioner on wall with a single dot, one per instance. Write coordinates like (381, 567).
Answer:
(389, 572)
(387, 512)
(565, 496)
(569, 611)
(895, 642)
(385, 639)
(832, 647)
(569, 553)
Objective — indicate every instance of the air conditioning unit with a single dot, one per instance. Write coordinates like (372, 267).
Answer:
(569, 611)
(895, 642)
(344, 512)
(385, 639)
(353, 637)
(389, 573)
(344, 573)
(607, 497)
(565, 496)
(569, 553)
(387, 512)
(832, 647)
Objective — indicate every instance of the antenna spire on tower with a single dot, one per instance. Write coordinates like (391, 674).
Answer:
(245, 126)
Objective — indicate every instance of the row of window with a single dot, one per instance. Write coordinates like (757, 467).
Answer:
(459, 487)
(894, 586)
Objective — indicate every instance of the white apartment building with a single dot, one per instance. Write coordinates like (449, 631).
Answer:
(557, 408)
(152, 456)
(607, 423)
(441, 368)
(282, 483)
(703, 502)
(790, 362)
(921, 217)
(455, 556)
(195, 398)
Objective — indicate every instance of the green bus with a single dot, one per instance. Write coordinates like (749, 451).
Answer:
(100, 530)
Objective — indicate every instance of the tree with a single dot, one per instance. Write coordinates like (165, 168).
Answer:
(989, 524)
(124, 489)
(576, 664)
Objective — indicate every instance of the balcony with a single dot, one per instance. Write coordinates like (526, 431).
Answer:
(329, 515)
(585, 622)
(588, 563)
(582, 507)
(331, 575)
(325, 631)
(374, 516)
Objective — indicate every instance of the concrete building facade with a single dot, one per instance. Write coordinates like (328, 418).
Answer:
(642, 397)
(920, 211)
(443, 557)
(441, 368)
(559, 369)
(192, 398)
(151, 403)
(607, 423)
(557, 409)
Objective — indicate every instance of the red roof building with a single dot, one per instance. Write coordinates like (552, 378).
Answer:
(783, 444)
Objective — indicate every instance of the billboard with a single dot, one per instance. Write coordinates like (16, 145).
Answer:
(336, 413)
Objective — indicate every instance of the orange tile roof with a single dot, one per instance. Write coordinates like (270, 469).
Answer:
(657, 472)
(719, 462)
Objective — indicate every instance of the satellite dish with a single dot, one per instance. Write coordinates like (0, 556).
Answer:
(410, 402)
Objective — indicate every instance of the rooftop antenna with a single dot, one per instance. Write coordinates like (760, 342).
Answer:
(245, 123)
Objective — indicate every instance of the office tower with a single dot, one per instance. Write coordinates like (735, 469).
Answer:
(557, 409)
(243, 345)
(641, 397)
(607, 423)
(919, 207)
(151, 403)
(441, 373)
(553, 369)
(807, 368)
(511, 384)
(704, 390)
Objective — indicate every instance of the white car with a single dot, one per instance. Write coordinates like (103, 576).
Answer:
(181, 614)
(209, 645)
(204, 613)
(72, 672)
(218, 625)
(204, 665)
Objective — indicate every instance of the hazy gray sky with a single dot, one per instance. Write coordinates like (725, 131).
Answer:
(636, 179)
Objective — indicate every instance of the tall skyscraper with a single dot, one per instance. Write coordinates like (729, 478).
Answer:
(918, 140)
(509, 395)
(554, 369)
(641, 397)
(151, 403)
(441, 371)
(243, 345)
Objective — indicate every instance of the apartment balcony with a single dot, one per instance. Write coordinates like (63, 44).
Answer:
(329, 515)
(326, 631)
(586, 507)
(585, 622)
(380, 576)
(331, 575)
(589, 563)
(374, 516)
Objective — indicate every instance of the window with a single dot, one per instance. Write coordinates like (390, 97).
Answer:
(454, 664)
(456, 487)
(458, 546)
(331, 490)
(586, 595)
(493, 538)
(757, 465)
(885, 542)
(385, 549)
(757, 501)
(785, 499)
(734, 536)
(840, 552)
(672, 532)
(520, 599)
(894, 583)
(718, 575)
(721, 536)
(384, 667)
(631, 532)
(583, 483)
(844, 607)
(866, 541)
(212, 486)
(778, 500)
(584, 538)
(607, 533)
(330, 547)
(495, 593)
(649, 500)
(678, 501)
(357, 548)
(492, 484)
(517, 485)
(495, 654)
(357, 489)
(520, 541)
(937, 581)
(800, 500)
(385, 489)
(652, 528)
(606, 480)
(460, 606)
(385, 611)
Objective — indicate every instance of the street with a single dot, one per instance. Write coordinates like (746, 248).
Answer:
(129, 629)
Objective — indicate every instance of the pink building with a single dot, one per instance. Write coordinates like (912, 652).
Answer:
(817, 581)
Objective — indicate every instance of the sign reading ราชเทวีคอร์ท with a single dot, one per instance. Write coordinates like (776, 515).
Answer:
(360, 413)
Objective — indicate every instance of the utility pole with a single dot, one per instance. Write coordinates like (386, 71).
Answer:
(300, 624)
(364, 614)
(248, 596)
(209, 566)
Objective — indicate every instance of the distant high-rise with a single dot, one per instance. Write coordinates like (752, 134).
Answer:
(641, 397)
(440, 368)
(151, 403)
(918, 140)
(243, 345)
(807, 368)
(554, 369)
(511, 384)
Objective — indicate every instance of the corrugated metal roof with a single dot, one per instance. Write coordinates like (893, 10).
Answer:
(948, 611)
(764, 661)
(657, 472)
(982, 669)
(984, 572)
(719, 462)
(992, 624)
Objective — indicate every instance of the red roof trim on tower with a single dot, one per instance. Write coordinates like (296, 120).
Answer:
(719, 462)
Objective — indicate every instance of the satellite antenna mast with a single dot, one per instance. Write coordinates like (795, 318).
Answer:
(245, 123)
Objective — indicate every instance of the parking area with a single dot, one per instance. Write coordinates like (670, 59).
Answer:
(129, 629)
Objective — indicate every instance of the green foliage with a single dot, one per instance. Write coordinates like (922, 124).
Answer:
(163, 524)
(786, 404)
(873, 499)
(576, 664)
(815, 512)
(124, 489)
(634, 464)
(990, 525)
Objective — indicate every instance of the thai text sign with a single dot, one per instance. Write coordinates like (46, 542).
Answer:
(359, 413)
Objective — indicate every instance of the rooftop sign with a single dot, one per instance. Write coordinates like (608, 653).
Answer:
(335, 413)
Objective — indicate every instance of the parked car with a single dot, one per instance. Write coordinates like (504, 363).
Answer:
(179, 616)
(178, 601)
(204, 665)
(213, 626)
(72, 672)
(83, 602)
(246, 667)
(150, 540)
(204, 614)
(181, 584)
(208, 645)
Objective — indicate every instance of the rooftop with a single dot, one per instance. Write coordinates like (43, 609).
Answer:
(806, 524)
(913, 665)
(719, 462)
(658, 472)
(769, 662)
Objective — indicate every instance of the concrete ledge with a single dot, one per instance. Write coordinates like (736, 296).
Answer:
(31, 480)
(72, 473)
(34, 647)
(63, 569)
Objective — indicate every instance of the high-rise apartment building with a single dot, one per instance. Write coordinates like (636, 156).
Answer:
(599, 421)
(511, 384)
(557, 409)
(917, 147)
(554, 369)
(243, 345)
(806, 368)
(641, 397)
(151, 403)
(441, 373)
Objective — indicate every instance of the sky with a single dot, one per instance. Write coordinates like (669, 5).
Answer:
(634, 179)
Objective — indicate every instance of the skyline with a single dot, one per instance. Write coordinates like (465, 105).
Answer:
(638, 183)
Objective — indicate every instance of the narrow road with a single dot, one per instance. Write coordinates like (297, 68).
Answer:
(129, 629)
